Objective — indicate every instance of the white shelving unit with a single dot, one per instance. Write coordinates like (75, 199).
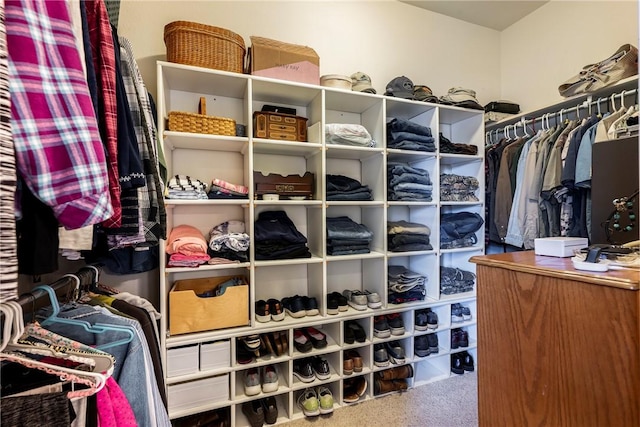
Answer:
(235, 158)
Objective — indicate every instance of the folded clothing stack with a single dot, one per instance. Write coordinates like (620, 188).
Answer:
(446, 146)
(348, 134)
(461, 97)
(408, 183)
(347, 237)
(340, 187)
(405, 285)
(456, 280)
(185, 187)
(405, 236)
(458, 188)
(186, 247)
(221, 189)
(228, 242)
(406, 135)
(276, 237)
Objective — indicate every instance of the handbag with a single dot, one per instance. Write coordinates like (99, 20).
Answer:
(622, 64)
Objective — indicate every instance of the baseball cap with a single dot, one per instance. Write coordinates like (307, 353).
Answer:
(360, 82)
(424, 93)
(400, 87)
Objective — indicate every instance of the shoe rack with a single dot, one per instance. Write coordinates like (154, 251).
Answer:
(208, 360)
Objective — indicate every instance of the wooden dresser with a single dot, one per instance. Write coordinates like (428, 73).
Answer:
(556, 346)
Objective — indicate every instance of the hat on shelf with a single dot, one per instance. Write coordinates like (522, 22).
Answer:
(360, 82)
(424, 93)
(400, 87)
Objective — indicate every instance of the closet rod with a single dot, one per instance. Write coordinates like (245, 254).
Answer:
(586, 104)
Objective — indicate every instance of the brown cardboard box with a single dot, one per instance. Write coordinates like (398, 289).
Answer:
(280, 60)
(190, 313)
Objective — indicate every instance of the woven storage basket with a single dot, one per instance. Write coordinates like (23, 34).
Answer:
(201, 123)
(203, 45)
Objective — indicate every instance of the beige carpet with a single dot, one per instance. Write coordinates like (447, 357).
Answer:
(449, 403)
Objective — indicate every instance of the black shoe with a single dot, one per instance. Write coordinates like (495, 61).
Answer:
(254, 413)
(358, 331)
(456, 363)
(310, 306)
(421, 320)
(421, 346)
(395, 352)
(381, 327)
(333, 306)
(318, 339)
(432, 339)
(294, 306)
(343, 303)
(432, 319)
(270, 409)
(467, 361)
(302, 341)
(455, 338)
(321, 368)
(349, 335)
(303, 370)
(396, 323)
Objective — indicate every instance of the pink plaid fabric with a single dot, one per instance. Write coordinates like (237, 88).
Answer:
(59, 153)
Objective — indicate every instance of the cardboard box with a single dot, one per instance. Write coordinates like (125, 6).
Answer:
(285, 61)
(190, 313)
(562, 247)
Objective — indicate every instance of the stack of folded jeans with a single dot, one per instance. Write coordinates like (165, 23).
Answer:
(276, 237)
(406, 135)
(185, 187)
(408, 183)
(405, 285)
(347, 237)
(456, 280)
(458, 230)
(458, 188)
(404, 236)
(341, 187)
(446, 146)
(228, 241)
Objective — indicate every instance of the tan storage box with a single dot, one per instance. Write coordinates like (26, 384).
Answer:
(285, 127)
(190, 313)
(285, 61)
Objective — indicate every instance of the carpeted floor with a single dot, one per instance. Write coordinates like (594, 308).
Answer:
(449, 403)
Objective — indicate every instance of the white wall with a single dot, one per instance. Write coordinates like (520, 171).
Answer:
(550, 45)
(384, 39)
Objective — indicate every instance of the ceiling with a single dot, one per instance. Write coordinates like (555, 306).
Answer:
(492, 14)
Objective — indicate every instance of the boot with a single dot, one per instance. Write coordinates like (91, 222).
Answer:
(399, 372)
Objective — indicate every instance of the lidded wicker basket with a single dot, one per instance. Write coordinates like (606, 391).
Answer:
(201, 123)
(191, 43)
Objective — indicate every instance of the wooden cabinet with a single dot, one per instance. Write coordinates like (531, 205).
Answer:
(556, 346)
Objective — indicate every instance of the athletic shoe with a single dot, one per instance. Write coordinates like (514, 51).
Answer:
(356, 299)
(321, 368)
(269, 379)
(270, 409)
(373, 299)
(254, 412)
(380, 356)
(262, 311)
(308, 402)
(252, 382)
(325, 399)
(396, 323)
(303, 370)
(276, 309)
(396, 352)
(381, 327)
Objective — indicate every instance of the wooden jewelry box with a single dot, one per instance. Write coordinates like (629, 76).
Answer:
(285, 127)
(287, 187)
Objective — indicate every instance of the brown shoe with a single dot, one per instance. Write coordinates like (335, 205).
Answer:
(266, 344)
(399, 372)
(400, 385)
(356, 358)
(383, 386)
(276, 344)
(347, 366)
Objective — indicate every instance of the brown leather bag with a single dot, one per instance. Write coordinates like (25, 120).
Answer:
(622, 64)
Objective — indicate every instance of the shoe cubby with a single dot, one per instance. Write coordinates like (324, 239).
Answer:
(322, 276)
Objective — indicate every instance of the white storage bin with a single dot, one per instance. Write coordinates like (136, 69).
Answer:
(198, 393)
(182, 360)
(215, 355)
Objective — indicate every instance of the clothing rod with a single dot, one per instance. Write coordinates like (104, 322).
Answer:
(589, 103)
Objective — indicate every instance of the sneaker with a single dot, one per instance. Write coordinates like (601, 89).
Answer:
(421, 346)
(421, 320)
(262, 311)
(308, 402)
(455, 338)
(254, 412)
(303, 370)
(318, 339)
(325, 399)
(294, 307)
(380, 356)
(467, 361)
(463, 338)
(381, 327)
(270, 409)
(456, 313)
(356, 299)
(395, 352)
(343, 302)
(434, 347)
(373, 299)
(396, 323)
(432, 319)
(276, 309)
(310, 306)
(456, 363)
(301, 341)
(332, 305)
(320, 368)
(269, 379)
(252, 382)
(466, 313)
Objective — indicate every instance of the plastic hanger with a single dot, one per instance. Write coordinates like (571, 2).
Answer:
(96, 328)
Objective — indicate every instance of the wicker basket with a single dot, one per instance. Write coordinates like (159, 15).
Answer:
(201, 123)
(202, 45)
